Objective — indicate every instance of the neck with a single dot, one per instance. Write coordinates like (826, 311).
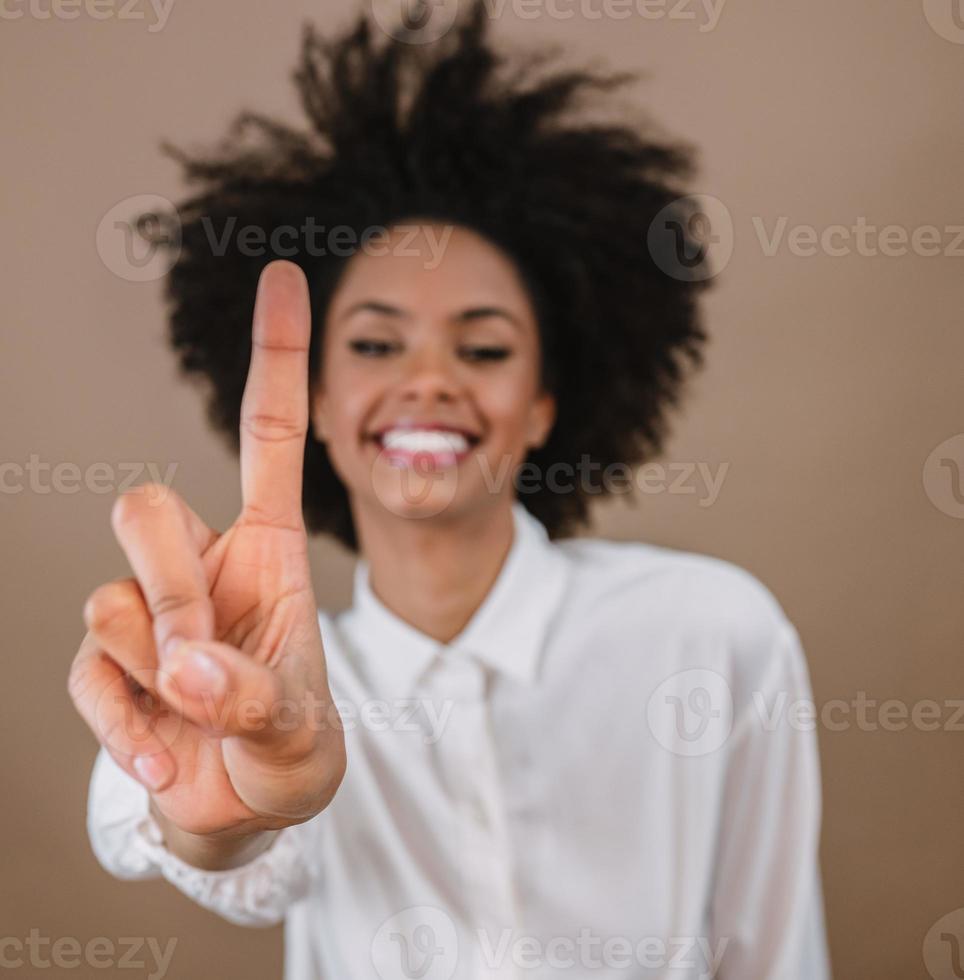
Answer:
(434, 574)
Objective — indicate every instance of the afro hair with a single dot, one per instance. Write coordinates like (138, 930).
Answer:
(449, 131)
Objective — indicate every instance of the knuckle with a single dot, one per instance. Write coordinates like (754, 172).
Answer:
(118, 731)
(110, 603)
(78, 679)
(256, 514)
(166, 603)
(109, 731)
(273, 428)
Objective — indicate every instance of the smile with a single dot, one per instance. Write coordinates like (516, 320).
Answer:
(432, 447)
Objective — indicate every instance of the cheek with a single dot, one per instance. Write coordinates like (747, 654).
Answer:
(345, 420)
(348, 392)
(348, 417)
(507, 404)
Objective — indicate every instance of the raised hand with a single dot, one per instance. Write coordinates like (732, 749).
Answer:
(204, 674)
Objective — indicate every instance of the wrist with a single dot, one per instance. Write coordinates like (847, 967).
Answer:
(212, 852)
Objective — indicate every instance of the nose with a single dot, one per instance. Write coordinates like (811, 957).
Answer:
(430, 377)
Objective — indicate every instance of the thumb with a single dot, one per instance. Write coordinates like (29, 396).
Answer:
(226, 693)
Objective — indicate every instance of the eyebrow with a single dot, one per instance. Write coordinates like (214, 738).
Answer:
(466, 316)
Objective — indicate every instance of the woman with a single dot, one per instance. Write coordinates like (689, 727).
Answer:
(514, 753)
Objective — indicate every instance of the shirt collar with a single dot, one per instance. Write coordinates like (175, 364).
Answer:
(506, 633)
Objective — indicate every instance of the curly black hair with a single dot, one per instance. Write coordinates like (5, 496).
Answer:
(443, 131)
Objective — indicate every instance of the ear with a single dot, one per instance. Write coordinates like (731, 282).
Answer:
(542, 416)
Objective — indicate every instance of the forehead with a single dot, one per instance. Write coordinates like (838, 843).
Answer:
(435, 267)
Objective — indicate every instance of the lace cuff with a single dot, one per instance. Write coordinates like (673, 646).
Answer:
(128, 843)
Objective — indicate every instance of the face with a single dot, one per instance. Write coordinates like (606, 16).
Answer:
(430, 395)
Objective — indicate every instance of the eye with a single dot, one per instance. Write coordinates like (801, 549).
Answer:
(372, 348)
(485, 353)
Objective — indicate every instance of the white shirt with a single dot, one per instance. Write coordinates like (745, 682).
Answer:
(599, 775)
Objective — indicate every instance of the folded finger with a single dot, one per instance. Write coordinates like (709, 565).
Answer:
(164, 553)
(117, 615)
(135, 727)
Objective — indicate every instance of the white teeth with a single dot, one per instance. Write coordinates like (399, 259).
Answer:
(425, 441)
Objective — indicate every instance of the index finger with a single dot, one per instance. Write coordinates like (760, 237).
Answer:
(164, 549)
(274, 409)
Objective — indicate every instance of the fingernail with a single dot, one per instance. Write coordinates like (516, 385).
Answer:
(152, 770)
(170, 646)
(197, 670)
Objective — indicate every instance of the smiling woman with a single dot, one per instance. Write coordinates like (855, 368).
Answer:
(599, 775)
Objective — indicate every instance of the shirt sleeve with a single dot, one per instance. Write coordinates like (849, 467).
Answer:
(767, 902)
(127, 842)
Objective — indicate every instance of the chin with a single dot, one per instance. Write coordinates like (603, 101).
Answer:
(407, 494)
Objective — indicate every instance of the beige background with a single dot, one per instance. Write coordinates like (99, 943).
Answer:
(830, 381)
